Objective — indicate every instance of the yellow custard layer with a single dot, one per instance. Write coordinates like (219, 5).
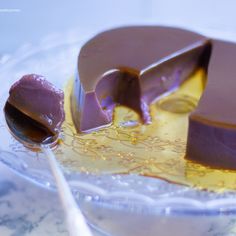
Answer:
(155, 150)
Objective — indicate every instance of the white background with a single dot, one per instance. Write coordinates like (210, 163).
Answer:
(35, 19)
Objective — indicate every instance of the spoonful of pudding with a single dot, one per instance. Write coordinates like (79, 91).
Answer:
(34, 113)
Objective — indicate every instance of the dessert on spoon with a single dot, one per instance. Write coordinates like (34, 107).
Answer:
(34, 114)
(34, 110)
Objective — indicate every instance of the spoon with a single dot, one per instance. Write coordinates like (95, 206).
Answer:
(34, 136)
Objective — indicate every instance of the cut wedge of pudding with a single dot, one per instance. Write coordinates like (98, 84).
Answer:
(212, 126)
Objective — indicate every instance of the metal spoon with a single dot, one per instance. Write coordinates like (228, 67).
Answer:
(25, 131)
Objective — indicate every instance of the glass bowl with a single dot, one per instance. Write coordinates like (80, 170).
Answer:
(114, 204)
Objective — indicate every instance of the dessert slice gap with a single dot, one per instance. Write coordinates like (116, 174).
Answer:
(135, 89)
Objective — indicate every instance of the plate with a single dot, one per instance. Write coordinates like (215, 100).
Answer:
(116, 203)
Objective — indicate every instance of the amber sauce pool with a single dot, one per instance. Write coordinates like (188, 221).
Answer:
(155, 150)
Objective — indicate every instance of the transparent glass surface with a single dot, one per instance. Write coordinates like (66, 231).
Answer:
(129, 179)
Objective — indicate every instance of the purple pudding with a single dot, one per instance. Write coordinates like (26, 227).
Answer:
(34, 100)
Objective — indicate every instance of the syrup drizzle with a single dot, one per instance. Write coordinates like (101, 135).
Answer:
(155, 150)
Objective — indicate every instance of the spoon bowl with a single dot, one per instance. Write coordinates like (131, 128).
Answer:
(28, 131)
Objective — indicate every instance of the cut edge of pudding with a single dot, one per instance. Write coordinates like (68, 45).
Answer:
(211, 143)
(134, 88)
(212, 125)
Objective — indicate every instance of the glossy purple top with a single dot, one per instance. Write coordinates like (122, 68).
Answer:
(40, 100)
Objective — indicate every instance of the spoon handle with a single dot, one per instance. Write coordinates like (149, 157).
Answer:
(75, 220)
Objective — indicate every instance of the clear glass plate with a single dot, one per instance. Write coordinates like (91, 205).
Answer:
(117, 204)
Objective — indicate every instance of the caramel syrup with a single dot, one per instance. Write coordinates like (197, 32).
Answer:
(155, 150)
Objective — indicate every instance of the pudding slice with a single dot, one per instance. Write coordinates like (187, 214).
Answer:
(132, 66)
(212, 126)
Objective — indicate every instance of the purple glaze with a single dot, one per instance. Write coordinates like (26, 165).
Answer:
(40, 100)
